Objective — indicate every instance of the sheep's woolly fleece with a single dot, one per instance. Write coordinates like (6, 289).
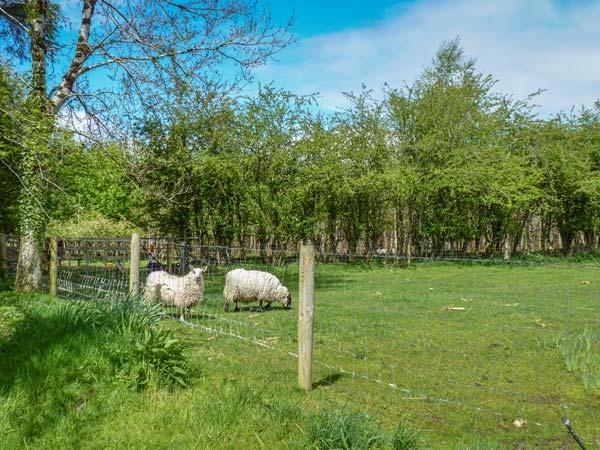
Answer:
(246, 286)
(170, 290)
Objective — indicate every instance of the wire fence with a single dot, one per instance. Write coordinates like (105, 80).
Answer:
(495, 343)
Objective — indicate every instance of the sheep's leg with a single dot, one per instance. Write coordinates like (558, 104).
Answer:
(182, 317)
(260, 306)
(225, 306)
(237, 308)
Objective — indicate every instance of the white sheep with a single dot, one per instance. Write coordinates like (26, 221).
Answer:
(245, 286)
(170, 290)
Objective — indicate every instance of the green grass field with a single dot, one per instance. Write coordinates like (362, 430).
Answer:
(456, 351)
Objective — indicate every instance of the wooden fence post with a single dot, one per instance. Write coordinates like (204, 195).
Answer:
(53, 265)
(169, 267)
(306, 310)
(3, 257)
(134, 265)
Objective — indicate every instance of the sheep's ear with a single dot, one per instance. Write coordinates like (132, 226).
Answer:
(204, 269)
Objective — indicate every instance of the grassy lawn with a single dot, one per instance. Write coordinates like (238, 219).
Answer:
(457, 351)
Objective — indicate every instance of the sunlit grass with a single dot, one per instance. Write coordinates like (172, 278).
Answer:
(461, 377)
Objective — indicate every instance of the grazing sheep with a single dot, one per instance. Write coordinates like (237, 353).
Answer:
(246, 286)
(170, 290)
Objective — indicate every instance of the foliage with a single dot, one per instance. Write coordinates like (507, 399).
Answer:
(152, 356)
(93, 224)
(145, 353)
(235, 34)
(444, 165)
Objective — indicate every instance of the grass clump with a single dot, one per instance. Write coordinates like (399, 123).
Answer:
(477, 443)
(404, 437)
(143, 353)
(580, 355)
(352, 430)
(151, 357)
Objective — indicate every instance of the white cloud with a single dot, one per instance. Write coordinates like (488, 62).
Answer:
(525, 44)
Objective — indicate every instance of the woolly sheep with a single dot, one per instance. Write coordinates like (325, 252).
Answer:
(246, 286)
(170, 290)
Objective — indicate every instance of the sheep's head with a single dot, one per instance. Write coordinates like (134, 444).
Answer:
(285, 297)
(196, 273)
(288, 301)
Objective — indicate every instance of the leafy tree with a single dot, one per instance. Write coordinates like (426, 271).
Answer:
(149, 47)
(571, 177)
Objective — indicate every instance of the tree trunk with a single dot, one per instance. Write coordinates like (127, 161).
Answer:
(567, 238)
(38, 52)
(32, 222)
(507, 247)
(31, 213)
(29, 273)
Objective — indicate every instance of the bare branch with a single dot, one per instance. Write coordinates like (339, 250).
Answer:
(12, 18)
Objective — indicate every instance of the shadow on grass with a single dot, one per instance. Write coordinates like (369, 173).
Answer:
(6, 284)
(328, 380)
(41, 365)
(24, 351)
(255, 309)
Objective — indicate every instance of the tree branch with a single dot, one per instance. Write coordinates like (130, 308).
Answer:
(16, 21)
(82, 52)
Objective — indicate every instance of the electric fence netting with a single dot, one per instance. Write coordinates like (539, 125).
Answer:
(504, 345)
(500, 345)
(268, 327)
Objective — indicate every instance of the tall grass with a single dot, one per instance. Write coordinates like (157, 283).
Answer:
(352, 430)
(477, 443)
(581, 356)
(144, 353)
(57, 358)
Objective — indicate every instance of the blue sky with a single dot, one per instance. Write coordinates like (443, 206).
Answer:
(525, 44)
